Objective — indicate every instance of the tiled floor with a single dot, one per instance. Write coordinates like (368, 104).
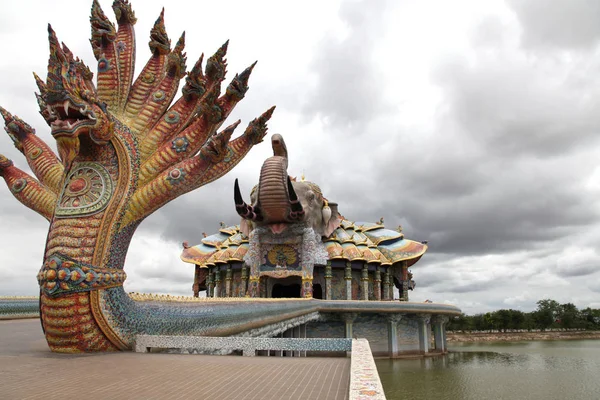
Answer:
(28, 370)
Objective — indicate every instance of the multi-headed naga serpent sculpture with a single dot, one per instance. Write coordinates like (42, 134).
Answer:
(125, 149)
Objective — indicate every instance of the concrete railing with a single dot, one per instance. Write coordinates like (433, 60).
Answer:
(364, 379)
(248, 345)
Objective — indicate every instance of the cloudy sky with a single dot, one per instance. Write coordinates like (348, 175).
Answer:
(473, 124)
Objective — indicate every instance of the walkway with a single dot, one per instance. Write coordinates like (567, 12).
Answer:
(28, 370)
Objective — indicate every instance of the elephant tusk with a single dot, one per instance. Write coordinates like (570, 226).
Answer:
(296, 212)
(244, 210)
(237, 195)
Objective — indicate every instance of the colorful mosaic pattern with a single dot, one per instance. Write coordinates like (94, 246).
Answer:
(87, 190)
(352, 241)
(364, 379)
(126, 147)
(12, 307)
(61, 274)
(248, 345)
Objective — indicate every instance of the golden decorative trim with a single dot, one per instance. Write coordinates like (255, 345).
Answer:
(103, 323)
(103, 243)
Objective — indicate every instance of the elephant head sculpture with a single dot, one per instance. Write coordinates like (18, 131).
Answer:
(277, 200)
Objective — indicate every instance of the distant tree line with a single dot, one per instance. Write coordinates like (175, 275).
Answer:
(549, 315)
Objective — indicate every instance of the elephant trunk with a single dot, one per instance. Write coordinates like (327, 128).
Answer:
(273, 196)
(276, 197)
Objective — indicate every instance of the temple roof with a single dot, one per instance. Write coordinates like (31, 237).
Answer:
(365, 241)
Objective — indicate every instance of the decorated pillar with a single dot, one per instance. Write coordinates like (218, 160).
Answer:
(348, 277)
(253, 286)
(386, 284)
(390, 287)
(244, 280)
(393, 320)
(228, 279)
(404, 281)
(328, 276)
(377, 284)
(307, 287)
(423, 326)
(217, 282)
(365, 282)
(211, 284)
(196, 285)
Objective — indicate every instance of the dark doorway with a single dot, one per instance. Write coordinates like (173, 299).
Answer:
(289, 291)
(317, 291)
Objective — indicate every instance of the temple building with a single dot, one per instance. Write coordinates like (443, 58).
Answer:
(293, 243)
(364, 261)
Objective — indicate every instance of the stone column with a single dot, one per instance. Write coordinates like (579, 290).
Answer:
(211, 285)
(404, 281)
(217, 282)
(377, 284)
(348, 277)
(444, 338)
(393, 320)
(439, 332)
(328, 276)
(228, 279)
(349, 320)
(244, 280)
(386, 284)
(365, 282)
(423, 321)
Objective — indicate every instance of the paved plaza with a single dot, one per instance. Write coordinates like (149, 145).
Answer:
(28, 370)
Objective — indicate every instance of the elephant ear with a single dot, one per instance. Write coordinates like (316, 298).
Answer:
(334, 221)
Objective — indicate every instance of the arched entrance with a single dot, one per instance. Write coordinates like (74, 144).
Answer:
(289, 287)
(317, 291)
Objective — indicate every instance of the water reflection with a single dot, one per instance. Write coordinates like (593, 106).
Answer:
(524, 370)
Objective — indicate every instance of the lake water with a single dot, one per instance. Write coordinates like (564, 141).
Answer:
(568, 369)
